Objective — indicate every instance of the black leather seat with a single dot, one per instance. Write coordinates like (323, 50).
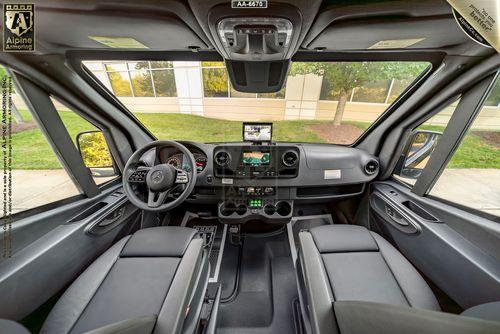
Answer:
(351, 263)
(155, 278)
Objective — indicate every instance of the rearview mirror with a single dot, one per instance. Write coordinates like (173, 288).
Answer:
(95, 153)
(417, 153)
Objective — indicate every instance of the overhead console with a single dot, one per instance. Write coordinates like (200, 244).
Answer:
(256, 35)
(257, 38)
(257, 44)
(256, 161)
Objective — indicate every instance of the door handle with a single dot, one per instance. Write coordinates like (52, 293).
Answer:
(394, 216)
(394, 213)
(112, 217)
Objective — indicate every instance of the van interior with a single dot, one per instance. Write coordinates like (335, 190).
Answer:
(200, 214)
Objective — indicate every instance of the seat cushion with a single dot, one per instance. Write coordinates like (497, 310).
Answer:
(362, 266)
(132, 279)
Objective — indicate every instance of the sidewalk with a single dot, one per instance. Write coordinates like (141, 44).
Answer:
(475, 188)
(32, 188)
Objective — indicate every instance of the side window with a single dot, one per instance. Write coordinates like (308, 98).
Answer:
(422, 144)
(472, 176)
(91, 143)
(38, 178)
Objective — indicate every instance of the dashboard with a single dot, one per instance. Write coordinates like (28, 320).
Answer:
(270, 181)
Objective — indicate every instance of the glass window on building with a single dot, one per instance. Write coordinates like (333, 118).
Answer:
(161, 64)
(164, 81)
(120, 82)
(138, 65)
(142, 83)
(119, 79)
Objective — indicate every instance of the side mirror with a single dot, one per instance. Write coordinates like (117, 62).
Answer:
(95, 153)
(417, 153)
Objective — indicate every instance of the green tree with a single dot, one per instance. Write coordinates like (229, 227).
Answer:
(215, 82)
(342, 77)
(94, 150)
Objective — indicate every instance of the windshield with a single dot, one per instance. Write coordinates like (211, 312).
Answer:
(321, 102)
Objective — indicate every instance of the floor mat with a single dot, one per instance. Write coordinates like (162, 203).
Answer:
(266, 290)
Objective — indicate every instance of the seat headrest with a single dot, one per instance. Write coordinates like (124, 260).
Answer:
(343, 238)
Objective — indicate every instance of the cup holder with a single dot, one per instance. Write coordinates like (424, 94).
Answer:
(241, 209)
(269, 209)
(283, 208)
(228, 209)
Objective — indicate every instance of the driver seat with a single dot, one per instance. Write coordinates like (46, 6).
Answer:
(153, 281)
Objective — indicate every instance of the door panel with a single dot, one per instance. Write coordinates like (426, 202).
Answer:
(53, 247)
(458, 251)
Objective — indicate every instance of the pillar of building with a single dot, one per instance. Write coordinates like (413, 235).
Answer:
(302, 96)
(188, 80)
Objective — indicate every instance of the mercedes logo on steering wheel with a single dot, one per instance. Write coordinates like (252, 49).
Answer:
(157, 176)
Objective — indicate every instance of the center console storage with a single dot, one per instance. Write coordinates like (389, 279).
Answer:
(256, 161)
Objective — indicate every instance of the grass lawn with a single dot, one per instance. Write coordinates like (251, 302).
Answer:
(473, 151)
(31, 151)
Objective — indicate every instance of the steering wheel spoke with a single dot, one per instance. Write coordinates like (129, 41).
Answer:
(139, 175)
(155, 199)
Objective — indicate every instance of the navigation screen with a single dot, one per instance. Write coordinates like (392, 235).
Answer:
(256, 158)
(259, 132)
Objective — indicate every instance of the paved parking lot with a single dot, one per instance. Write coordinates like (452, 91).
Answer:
(477, 188)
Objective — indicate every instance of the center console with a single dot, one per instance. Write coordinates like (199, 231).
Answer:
(246, 201)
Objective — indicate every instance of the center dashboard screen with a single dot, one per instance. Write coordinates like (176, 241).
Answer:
(256, 158)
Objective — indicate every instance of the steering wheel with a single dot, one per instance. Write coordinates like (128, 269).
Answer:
(161, 180)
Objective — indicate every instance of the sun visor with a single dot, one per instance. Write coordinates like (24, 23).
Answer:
(257, 77)
(397, 33)
(111, 30)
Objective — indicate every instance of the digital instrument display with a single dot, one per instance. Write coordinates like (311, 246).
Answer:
(257, 132)
(256, 158)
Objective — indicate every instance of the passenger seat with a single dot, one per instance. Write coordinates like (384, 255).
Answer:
(351, 263)
(351, 280)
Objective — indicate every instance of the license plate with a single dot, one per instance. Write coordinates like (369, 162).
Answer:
(249, 4)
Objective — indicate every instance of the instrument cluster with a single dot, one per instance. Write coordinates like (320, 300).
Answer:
(178, 161)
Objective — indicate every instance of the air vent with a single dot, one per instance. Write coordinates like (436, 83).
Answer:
(289, 158)
(371, 167)
(222, 158)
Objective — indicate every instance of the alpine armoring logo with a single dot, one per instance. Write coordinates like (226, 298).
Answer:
(19, 30)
